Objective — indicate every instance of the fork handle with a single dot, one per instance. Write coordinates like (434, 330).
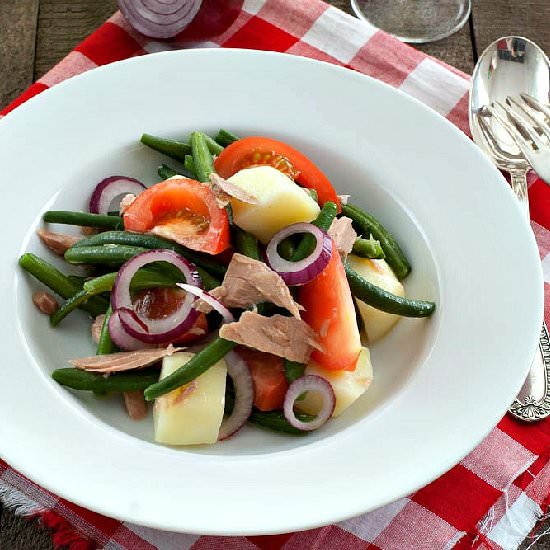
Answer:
(519, 187)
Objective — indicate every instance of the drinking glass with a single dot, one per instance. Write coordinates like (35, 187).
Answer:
(414, 20)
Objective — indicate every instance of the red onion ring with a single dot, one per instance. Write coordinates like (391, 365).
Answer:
(303, 271)
(154, 331)
(120, 337)
(239, 372)
(309, 382)
(159, 18)
(107, 190)
(214, 303)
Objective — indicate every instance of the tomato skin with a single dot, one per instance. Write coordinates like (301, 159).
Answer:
(254, 150)
(330, 312)
(156, 303)
(183, 210)
(268, 375)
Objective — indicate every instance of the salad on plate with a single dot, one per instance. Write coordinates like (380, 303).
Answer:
(239, 289)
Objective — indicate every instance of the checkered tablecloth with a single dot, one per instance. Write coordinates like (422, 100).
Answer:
(494, 497)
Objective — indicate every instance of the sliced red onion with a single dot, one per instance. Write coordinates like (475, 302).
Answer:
(313, 383)
(159, 18)
(303, 271)
(120, 337)
(154, 331)
(214, 303)
(239, 372)
(107, 190)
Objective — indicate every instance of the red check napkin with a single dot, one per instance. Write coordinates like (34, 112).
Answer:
(494, 497)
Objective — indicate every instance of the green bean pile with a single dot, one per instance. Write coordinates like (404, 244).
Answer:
(106, 251)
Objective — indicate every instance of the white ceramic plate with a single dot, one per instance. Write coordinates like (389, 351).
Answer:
(440, 385)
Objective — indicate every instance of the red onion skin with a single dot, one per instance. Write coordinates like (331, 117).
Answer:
(157, 331)
(121, 338)
(157, 19)
(309, 382)
(102, 186)
(238, 370)
(303, 271)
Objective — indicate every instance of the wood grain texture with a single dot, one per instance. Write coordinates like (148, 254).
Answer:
(496, 18)
(18, 20)
(62, 24)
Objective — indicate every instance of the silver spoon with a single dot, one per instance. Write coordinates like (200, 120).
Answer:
(508, 67)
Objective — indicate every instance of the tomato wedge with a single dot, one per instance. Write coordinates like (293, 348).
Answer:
(255, 150)
(330, 312)
(157, 303)
(183, 210)
(268, 375)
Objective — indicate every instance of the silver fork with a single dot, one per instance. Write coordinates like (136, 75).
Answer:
(533, 400)
(526, 120)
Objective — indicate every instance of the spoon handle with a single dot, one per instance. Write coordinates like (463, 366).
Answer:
(519, 187)
(533, 401)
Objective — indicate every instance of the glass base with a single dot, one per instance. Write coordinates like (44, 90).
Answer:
(414, 20)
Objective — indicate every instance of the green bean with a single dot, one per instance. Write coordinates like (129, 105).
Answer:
(225, 138)
(276, 421)
(102, 254)
(50, 276)
(208, 281)
(286, 249)
(151, 242)
(204, 165)
(165, 172)
(293, 370)
(105, 345)
(77, 280)
(213, 146)
(367, 224)
(70, 305)
(83, 218)
(171, 147)
(78, 379)
(198, 364)
(323, 221)
(245, 243)
(368, 248)
(189, 165)
(384, 300)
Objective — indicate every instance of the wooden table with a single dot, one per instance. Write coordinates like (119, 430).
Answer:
(36, 34)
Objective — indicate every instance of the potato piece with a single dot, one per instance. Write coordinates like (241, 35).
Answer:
(281, 202)
(192, 414)
(348, 386)
(379, 273)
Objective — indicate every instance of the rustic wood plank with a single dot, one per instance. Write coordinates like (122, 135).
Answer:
(62, 24)
(18, 20)
(493, 19)
(455, 50)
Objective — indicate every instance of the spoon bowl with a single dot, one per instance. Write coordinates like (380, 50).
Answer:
(510, 66)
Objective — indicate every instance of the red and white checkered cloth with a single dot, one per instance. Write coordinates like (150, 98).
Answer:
(494, 497)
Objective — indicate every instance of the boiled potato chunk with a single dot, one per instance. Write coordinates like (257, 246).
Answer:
(379, 273)
(281, 202)
(192, 414)
(347, 385)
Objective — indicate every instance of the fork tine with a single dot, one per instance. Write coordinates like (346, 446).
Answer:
(536, 104)
(489, 138)
(522, 124)
(521, 142)
(521, 106)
